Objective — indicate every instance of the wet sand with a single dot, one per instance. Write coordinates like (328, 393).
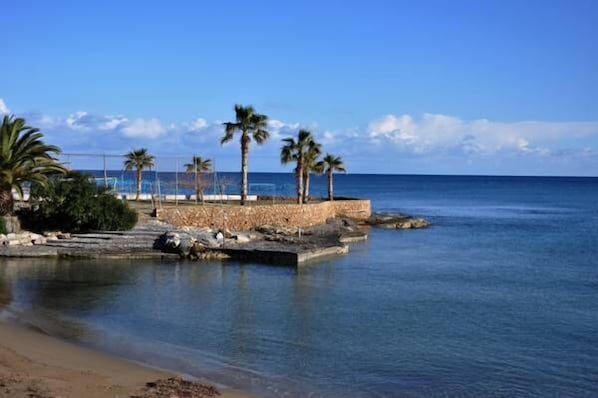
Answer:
(33, 364)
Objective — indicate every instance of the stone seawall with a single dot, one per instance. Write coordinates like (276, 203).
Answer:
(237, 217)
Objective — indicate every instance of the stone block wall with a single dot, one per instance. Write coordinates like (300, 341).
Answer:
(237, 217)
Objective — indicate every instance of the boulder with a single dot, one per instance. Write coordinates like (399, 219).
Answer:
(396, 221)
(420, 223)
(406, 224)
(387, 225)
(25, 240)
(197, 250)
(171, 240)
(185, 246)
(277, 230)
(244, 238)
(40, 241)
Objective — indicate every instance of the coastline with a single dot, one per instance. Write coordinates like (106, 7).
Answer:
(35, 364)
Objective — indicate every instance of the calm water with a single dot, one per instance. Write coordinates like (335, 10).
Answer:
(498, 298)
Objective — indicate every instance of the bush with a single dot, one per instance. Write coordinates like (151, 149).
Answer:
(75, 203)
(2, 225)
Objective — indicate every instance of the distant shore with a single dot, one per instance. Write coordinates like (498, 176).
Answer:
(35, 364)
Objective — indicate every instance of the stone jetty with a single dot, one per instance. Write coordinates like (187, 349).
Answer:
(152, 238)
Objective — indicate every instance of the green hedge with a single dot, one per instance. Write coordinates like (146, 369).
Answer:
(75, 203)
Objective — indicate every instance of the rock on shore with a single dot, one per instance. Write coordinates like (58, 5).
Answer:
(396, 221)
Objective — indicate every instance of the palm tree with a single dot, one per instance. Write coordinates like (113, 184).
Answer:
(330, 164)
(296, 151)
(197, 166)
(251, 125)
(24, 157)
(138, 159)
(310, 165)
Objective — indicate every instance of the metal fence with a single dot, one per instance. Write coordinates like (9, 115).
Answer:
(173, 179)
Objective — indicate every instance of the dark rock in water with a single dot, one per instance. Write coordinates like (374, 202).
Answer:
(396, 221)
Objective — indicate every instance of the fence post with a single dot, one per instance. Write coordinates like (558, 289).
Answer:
(105, 174)
(176, 182)
(159, 190)
(196, 182)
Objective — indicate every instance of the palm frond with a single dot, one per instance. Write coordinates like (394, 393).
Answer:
(24, 157)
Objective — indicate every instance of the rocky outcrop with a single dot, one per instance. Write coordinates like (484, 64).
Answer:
(277, 230)
(22, 239)
(396, 221)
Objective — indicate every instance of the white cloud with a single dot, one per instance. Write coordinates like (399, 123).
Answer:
(3, 107)
(83, 121)
(434, 132)
(279, 129)
(401, 143)
(148, 128)
(113, 122)
(197, 124)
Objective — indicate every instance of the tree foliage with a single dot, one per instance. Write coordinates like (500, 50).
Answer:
(138, 159)
(24, 158)
(300, 151)
(251, 125)
(329, 165)
(76, 204)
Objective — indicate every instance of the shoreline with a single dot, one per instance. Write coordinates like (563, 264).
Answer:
(33, 363)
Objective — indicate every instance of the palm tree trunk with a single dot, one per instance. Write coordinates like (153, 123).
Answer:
(199, 192)
(300, 181)
(196, 184)
(138, 178)
(6, 201)
(244, 161)
(330, 188)
(306, 176)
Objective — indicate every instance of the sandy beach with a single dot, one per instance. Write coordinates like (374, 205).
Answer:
(33, 364)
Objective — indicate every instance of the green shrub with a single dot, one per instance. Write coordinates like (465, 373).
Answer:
(2, 225)
(75, 203)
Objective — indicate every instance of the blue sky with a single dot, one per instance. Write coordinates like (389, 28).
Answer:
(447, 87)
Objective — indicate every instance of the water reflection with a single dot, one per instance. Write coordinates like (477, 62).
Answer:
(5, 289)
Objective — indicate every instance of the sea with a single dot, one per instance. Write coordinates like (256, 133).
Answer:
(498, 298)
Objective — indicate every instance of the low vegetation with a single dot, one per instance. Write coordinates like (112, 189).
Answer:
(76, 204)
